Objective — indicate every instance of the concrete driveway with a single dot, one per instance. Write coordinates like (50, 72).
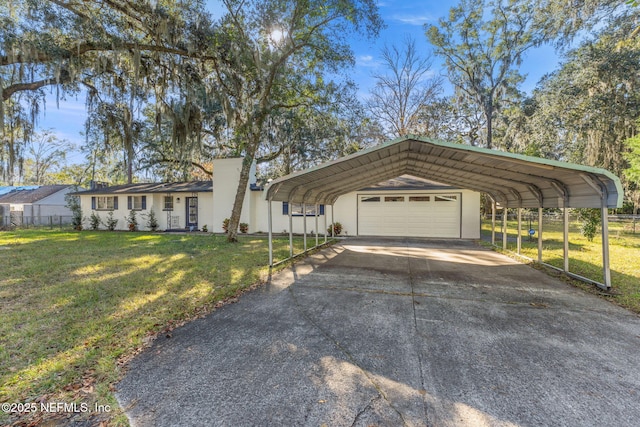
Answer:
(392, 332)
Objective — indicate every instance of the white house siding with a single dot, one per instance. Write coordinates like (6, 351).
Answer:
(226, 174)
(280, 220)
(346, 213)
(215, 206)
(155, 201)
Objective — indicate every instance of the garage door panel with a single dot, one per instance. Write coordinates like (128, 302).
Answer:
(419, 215)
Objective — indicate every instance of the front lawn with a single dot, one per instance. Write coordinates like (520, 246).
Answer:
(585, 258)
(74, 305)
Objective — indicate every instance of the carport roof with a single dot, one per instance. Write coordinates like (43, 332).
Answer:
(513, 180)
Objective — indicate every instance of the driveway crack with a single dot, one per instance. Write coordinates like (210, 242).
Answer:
(365, 409)
(415, 325)
(349, 357)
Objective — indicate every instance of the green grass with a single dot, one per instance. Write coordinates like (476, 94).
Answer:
(585, 258)
(73, 305)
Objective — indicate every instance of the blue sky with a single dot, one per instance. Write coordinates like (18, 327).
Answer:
(402, 17)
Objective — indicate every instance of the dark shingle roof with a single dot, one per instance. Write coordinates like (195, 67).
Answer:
(162, 187)
(31, 194)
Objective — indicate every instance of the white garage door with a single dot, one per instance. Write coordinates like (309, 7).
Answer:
(413, 215)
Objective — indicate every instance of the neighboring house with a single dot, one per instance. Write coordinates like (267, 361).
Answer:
(35, 205)
(396, 207)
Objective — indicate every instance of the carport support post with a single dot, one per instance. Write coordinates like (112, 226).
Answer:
(505, 214)
(269, 215)
(290, 229)
(304, 227)
(565, 224)
(519, 230)
(540, 235)
(317, 207)
(605, 245)
(493, 222)
(325, 223)
(333, 231)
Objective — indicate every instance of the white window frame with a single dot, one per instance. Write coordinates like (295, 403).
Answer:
(136, 203)
(168, 203)
(105, 203)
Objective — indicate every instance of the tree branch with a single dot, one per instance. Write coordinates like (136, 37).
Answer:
(8, 91)
(271, 156)
(164, 159)
(82, 48)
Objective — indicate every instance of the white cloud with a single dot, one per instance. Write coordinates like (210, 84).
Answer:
(413, 19)
(366, 61)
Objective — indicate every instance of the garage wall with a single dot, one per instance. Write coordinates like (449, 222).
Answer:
(470, 214)
(346, 210)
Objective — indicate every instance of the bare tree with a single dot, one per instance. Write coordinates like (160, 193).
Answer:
(45, 152)
(401, 93)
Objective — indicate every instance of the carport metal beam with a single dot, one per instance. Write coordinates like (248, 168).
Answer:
(540, 212)
(484, 170)
(505, 215)
(291, 249)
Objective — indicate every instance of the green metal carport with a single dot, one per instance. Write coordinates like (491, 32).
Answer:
(510, 180)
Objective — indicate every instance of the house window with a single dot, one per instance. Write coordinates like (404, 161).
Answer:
(419, 198)
(296, 209)
(394, 199)
(137, 203)
(104, 203)
(168, 203)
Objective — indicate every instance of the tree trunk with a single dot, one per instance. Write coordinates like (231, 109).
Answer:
(234, 220)
(130, 152)
(489, 116)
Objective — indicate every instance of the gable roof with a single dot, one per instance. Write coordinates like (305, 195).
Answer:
(5, 190)
(30, 194)
(406, 183)
(162, 187)
(513, 180)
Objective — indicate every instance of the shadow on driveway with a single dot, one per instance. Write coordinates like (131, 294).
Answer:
(393, 332)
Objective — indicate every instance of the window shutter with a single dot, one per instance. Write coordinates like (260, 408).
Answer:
(129, 202)
(285, 208)
(144, 202)
(321, 209)
(93, 202)
(115, 203)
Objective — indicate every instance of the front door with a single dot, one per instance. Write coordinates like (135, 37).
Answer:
(192, 212)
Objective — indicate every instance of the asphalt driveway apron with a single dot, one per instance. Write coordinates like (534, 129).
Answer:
(392, 332)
